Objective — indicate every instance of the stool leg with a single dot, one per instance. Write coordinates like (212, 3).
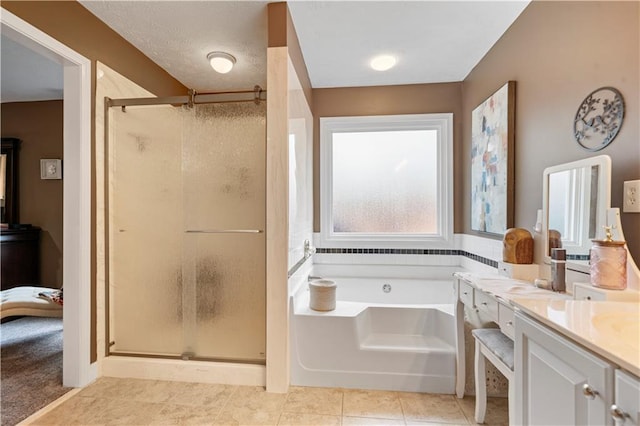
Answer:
(481, 385)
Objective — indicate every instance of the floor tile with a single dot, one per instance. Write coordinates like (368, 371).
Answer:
(363, 403)
(201, 394)
(171, 414)
(434, 408)
(126, 412)
(256, 398)
(104, 387)
(298, 419)
(111, 401)
(370, 421)
(497, 413)
(247, 417)
(314, 401)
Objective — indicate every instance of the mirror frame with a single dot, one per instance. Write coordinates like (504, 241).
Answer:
(10, 147)
(604, 195)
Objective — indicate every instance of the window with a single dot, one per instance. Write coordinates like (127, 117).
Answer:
(386, 181)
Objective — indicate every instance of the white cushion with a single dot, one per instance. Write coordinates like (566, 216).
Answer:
(24, 301)
(499, 344)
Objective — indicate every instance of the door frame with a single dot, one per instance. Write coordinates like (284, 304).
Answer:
(78, 371)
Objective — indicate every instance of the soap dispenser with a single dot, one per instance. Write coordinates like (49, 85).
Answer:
(558, 264)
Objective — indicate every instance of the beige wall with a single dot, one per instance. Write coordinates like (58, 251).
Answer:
(389, 100)
(39, 126)
(558, 52)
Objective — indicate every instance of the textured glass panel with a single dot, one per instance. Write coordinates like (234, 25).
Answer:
(145, 227)
(230, 307)
(385, 182)
(224, 166)
(176, 170)
(224, 189)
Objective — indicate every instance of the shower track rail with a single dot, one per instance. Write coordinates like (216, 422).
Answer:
(223, 231)
(193, 98)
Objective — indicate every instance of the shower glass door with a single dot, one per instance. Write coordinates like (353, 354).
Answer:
(224, 218)
(186, 226)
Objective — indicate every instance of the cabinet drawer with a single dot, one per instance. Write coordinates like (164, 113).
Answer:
(505, 320)
(466, 293)
(585, 293)
(487, 304)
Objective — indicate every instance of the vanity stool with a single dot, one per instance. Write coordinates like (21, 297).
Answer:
(493, 345)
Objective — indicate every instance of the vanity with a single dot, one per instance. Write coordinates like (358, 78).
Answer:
(577, 362)
(576, 354)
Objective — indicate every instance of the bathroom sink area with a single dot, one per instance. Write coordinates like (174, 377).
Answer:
(620, 322)
(610, 329)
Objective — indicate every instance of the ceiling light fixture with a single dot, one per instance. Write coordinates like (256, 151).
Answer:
(221, 62)
(383, 62)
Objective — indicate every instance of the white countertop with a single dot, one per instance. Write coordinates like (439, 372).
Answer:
(509, 289)
(610, 329)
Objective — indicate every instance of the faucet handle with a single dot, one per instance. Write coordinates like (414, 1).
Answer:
(308, 249)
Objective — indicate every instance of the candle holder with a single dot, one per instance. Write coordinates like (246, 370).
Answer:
(608, 263)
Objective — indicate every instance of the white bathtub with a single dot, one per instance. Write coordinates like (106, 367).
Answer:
(400, 340)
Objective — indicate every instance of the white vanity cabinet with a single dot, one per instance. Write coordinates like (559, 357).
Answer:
(557, 382)
(582, 291)
(626, 410)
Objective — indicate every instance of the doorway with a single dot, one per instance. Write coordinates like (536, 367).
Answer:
(78, 370)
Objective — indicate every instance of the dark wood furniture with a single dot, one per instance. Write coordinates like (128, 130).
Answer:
(20, 257)
(9, 212)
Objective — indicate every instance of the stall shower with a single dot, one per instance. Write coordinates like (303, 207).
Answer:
(185, 227)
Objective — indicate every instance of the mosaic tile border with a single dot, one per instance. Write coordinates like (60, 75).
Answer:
(429, 252)
(577, 257)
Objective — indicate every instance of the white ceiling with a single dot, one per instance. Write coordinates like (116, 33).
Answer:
(434, 41)
(27, 75)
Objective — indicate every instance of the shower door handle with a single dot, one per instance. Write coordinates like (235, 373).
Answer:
(223, 231)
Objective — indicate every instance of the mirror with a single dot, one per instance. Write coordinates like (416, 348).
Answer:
(9, 180)
(575, 200)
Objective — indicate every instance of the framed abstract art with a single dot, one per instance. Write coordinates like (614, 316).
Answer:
(492, 159)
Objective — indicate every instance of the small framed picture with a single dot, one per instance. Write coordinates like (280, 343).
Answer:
(50, 168)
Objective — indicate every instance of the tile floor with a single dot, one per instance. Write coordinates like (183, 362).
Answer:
(112, 401)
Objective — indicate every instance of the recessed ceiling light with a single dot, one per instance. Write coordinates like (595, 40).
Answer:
(383, 62)
(221, 62)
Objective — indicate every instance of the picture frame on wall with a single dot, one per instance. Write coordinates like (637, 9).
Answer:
(492, 162)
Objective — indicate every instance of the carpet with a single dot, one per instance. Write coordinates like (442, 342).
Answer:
(31, 366)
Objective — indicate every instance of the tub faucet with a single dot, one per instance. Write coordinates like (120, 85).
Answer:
(308, 250)
(312, 278)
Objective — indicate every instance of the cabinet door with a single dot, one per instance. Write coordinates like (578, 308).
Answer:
(627, 409)
(550, 375)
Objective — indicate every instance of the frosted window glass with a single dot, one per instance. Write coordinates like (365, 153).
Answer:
(385, 182)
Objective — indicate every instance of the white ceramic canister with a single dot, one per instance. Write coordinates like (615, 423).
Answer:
(608, 264)
(323, 295)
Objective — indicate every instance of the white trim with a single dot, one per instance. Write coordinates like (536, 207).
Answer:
(184, 371)
(443, 123)
(77, 368)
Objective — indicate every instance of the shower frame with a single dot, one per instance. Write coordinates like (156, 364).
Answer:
(256, 95)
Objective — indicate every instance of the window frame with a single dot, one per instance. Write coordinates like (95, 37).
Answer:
(443, 124)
